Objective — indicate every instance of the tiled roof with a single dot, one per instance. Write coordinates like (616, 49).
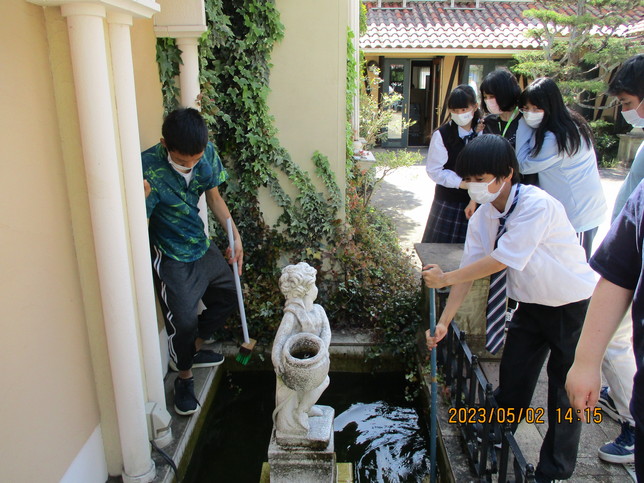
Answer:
(435, 24)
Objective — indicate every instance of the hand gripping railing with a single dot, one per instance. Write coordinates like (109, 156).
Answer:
(470, 391)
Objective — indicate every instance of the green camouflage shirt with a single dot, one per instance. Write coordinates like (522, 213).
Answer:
(175, 226)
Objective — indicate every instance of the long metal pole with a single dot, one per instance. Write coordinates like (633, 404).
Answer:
(434, 398)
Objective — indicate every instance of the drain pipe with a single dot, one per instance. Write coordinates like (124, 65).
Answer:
(85, 24)
(123, 71)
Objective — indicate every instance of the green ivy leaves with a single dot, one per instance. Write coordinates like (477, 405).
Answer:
(364, 280)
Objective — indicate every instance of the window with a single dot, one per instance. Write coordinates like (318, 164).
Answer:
(476, 70)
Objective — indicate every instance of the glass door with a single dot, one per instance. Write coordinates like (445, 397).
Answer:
(476, 70)
(396, 78)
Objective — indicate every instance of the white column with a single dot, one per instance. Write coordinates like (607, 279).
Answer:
(189, 71)
(190, 89)
(85, 24)
(128, 130)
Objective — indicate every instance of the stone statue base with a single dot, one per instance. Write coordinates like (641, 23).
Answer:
(305, 459)
(628, 145)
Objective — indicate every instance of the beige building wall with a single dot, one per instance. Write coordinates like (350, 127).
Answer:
(149, 97)
(308, 85)
(49, 406)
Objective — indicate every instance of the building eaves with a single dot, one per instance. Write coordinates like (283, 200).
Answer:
(436, 25)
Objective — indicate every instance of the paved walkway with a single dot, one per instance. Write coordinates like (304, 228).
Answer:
(406, 195)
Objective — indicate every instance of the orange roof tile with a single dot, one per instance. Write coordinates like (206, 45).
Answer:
(435, 24)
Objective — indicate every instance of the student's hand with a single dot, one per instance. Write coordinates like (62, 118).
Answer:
(470, 209)
(480, 126)
(146, 188)
(439, 333)
(582, 385)
(433, 276)
(238, 257)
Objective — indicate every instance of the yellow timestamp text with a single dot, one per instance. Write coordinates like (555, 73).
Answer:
(472, 415)
(587, 415)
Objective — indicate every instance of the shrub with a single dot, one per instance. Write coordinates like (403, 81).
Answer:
(606, 143)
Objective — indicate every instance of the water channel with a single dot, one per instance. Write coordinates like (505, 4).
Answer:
(376, 429)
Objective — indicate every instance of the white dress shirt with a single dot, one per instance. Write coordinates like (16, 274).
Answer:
(437, 157)
(546, 264)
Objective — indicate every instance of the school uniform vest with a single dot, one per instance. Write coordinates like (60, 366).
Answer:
(453, 143)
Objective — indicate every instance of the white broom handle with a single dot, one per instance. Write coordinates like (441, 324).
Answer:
(240, 297)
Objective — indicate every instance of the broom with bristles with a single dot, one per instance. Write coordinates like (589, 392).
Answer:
(246, 349)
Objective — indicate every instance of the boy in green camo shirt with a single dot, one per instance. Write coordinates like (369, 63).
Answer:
(187, 268)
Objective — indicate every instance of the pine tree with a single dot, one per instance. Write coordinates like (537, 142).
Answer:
(581, 43)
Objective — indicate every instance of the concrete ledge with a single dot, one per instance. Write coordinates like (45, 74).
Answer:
(349, 353)
(344, 473)
(186, 429)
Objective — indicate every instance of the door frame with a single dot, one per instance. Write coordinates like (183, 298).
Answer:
(385, 69)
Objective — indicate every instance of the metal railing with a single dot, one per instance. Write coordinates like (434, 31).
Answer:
(481, 422)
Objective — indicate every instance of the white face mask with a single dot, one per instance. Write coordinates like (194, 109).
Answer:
(178, 167)
(633, 118)
(463, 119)
(492, 106)
(533, 119)
(479, 192)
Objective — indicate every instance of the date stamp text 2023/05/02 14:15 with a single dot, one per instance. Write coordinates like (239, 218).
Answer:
(535, 415)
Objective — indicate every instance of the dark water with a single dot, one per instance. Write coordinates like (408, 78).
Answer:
(375, 429)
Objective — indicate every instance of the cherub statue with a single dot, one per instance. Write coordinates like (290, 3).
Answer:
(301, 378)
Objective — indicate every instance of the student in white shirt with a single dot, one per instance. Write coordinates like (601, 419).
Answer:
(447, 222)
(547, 274)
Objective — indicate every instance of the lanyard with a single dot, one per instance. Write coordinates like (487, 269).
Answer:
(507, 124)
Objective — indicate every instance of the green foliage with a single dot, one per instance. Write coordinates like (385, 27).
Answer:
(168, 59)
(352, 88)
(364, 280)
(363, 19)
(375, 280)
(606, 143)
(579, 50)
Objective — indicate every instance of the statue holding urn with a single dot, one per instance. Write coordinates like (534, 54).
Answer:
(300, 354)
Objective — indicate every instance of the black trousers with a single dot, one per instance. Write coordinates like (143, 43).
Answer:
(181, 285)
(639, 450)
(586, 240)
(535, 331)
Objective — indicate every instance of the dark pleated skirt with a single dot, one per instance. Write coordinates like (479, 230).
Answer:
(446, 223)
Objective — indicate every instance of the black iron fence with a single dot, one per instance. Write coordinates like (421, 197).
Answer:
(487, 430)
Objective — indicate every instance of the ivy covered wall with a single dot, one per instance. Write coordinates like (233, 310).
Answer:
(281, 129)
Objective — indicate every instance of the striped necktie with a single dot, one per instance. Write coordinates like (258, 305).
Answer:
(496, 299)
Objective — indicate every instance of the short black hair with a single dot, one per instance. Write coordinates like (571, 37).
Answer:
(185, 131)
(488, 153)
(503, 85)
(462, 97)
(629, 78)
